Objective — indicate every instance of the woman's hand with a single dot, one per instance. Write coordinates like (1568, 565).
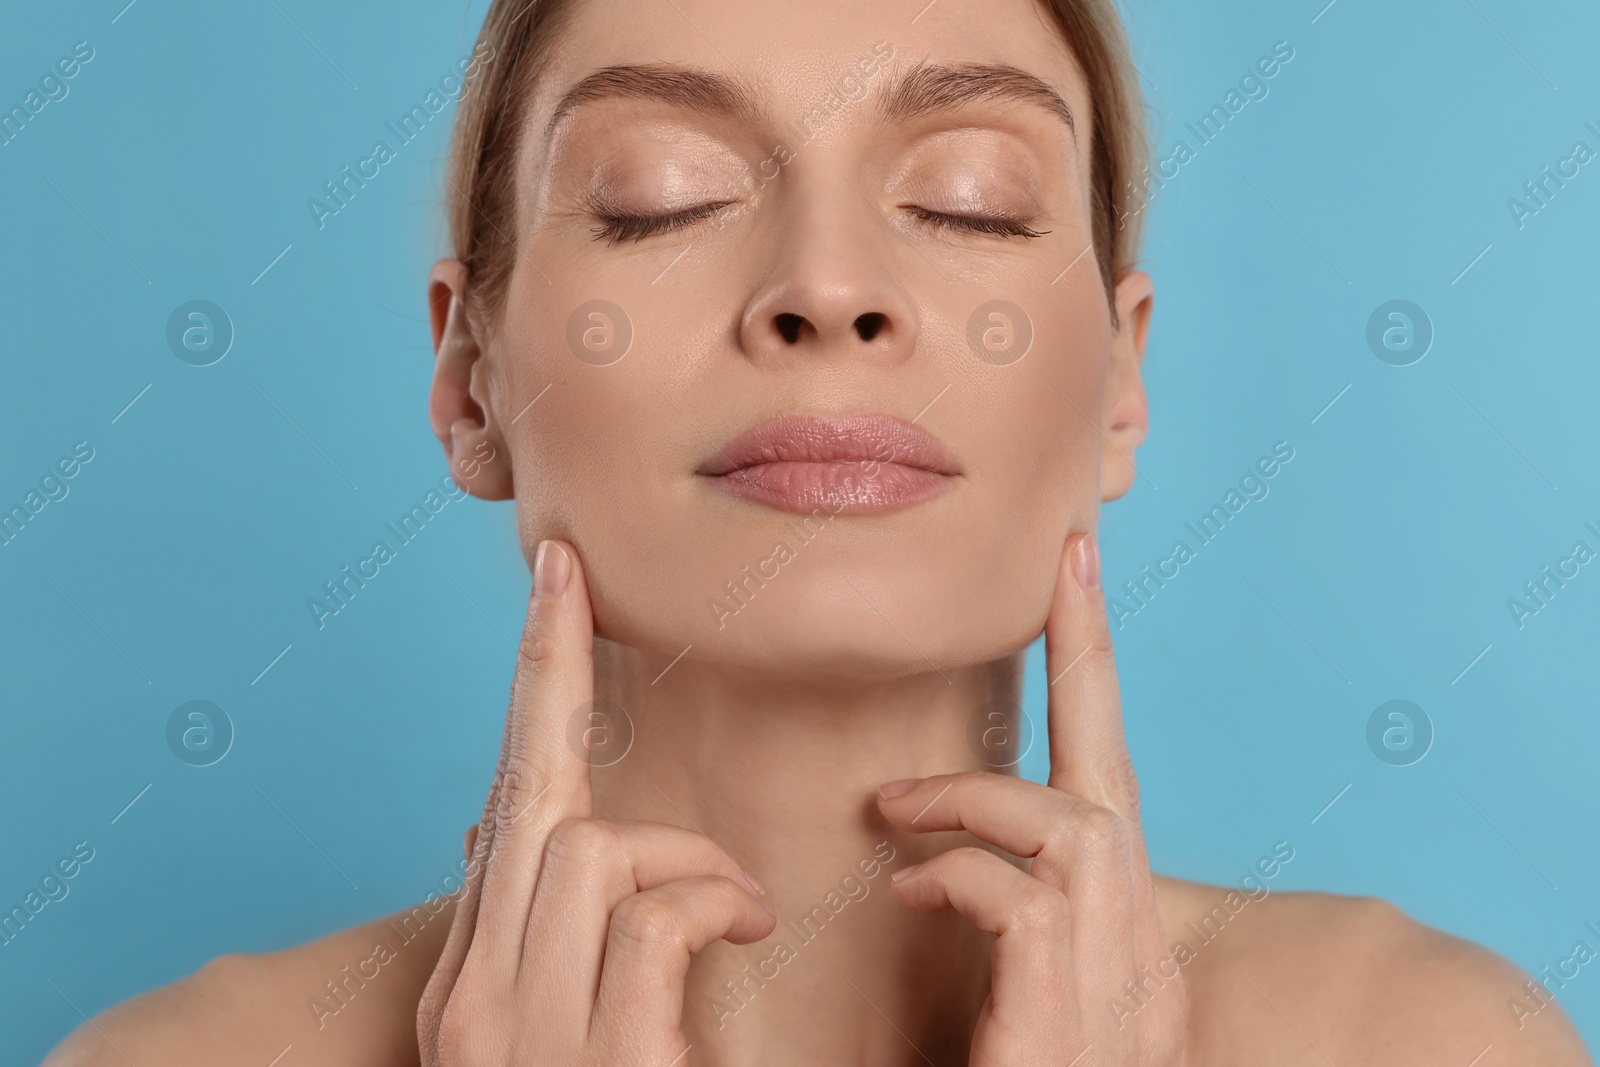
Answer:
(1077, 930)
(573, 935)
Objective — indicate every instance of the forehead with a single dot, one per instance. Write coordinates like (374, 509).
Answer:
(785, 57)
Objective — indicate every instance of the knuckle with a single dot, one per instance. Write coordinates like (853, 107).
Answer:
(481, 836)
(1041, 911)
(729, 897)
(536, 651)
(514, 742)
(580, 843)
(456, 1034)
(647, 921)
(508, 796)
(1106, 829)
(1103, 820)
(515, 793)
(969, 783)
(973, 856)
(1087, 828)
(1101, 653)
(964, 857)
(1124, 784)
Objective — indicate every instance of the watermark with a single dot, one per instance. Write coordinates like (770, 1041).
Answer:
(600, 733)
(999, 734)
(339, 992)
(1252, 87)
(1400, 333)
(852, 888)
(599, 332)
(1399, 733)
(200, 333)
(1541, 992)
(53, 87)
(1252, 487)
(999, 332)
(741, 590)
(340, 190)
(53, 487)
(53, 888)
(847, 90)
(1254, 886)
(1538, 592)
(199, 733)
(1543, 189)
(340, 592)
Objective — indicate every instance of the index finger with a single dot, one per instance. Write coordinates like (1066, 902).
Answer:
(1088, 748)
(1088, 745)
(541, 780)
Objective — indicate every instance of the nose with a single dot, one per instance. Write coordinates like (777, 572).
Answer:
(832, 289)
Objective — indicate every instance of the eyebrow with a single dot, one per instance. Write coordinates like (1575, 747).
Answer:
(702, 91)
(927, 89)
(936, 88)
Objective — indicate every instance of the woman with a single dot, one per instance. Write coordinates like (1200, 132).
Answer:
(808, 343)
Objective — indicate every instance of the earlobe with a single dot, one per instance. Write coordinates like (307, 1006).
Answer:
(458, 407)
(1127, 412)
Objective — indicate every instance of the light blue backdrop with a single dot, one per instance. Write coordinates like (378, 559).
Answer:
(1377, 167)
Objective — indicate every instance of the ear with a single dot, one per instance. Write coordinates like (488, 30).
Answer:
(458, 403)
(1127, 414)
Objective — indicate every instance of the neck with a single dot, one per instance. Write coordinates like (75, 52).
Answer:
(783, 776)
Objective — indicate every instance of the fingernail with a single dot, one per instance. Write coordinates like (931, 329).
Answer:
(767, 908)
(903, 872)
(551, 569)
(757, 886)
(898, 787)
(1086, 562)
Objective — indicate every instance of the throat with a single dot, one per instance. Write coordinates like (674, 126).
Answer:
(783, 779)
(871, 983)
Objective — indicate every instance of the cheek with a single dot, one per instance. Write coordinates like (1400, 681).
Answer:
(1029, 441)
(1042, 456)
(1041, 439)
(605, 458)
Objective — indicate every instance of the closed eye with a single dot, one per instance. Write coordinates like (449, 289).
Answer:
(1001, 225)
(631, 227)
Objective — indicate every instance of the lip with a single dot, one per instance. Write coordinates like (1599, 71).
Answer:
(862, 464)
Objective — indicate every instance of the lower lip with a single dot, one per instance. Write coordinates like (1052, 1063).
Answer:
(841, 487)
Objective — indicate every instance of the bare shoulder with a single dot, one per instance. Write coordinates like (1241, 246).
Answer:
(1292, 978)
(348, 998)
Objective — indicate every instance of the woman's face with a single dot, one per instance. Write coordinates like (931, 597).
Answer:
(806, 212)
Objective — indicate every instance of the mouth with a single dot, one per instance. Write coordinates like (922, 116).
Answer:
(860, 465)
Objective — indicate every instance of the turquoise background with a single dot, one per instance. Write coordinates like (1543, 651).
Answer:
(1377, 168)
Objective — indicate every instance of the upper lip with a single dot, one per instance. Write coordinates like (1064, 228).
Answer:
(812, 439)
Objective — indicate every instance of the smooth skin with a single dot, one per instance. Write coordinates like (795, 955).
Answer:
(609, 911)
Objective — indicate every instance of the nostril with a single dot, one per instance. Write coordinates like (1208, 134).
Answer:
(869, 324)
(789, 326)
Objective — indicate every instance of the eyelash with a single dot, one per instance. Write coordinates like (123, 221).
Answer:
(1001, 225)
(623, 227)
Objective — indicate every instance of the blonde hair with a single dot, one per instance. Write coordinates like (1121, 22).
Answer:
(481, 174)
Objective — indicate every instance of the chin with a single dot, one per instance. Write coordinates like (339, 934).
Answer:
(854, 604)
